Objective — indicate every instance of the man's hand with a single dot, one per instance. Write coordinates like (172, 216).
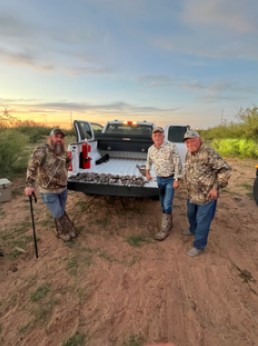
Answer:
(176, 184)
(28, 191)
(213, 194)
(148, 176)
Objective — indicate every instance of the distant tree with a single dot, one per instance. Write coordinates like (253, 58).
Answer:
(6, 119)
(246, 127)
(249, 119)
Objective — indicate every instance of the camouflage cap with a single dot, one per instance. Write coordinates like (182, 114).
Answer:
(191, 134)
(57, 131)
(158, 129)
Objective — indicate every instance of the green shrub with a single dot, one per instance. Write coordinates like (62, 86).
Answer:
(34, 133)
(243, 148)
(13, 154)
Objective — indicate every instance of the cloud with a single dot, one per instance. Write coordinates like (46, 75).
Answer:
(234, 15)
(211, 87)
(119, 106)
(156, 80)
(48, 48)
(12, 26)
(211, 29)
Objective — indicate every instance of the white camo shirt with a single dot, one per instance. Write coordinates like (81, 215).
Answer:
(165, 159)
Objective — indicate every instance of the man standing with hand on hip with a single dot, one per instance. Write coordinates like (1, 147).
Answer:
(165, 158)
(205, 174)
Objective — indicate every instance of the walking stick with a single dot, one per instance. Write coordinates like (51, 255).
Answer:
(33, 223)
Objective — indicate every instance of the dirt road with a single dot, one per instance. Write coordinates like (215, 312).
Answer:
(116, 286)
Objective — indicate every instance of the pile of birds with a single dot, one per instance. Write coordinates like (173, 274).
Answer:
(102, 178)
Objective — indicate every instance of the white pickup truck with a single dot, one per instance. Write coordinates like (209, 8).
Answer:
(111, 160)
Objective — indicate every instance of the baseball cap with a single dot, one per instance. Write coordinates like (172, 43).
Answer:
(158, 129)
(57, 131)
(191, 134)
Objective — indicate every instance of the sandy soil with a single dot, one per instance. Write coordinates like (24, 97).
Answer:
(116, 286)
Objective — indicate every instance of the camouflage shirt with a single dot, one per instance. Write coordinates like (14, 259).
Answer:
(165, 159)
(49, 168)
(203, 171)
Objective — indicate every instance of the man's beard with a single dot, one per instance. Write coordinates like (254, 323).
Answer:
(57, 147)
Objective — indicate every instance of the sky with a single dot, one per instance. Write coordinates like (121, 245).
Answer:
(181, 62)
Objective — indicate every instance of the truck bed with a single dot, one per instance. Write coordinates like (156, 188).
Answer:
(116, 177)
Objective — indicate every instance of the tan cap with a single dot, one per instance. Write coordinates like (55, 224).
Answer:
(191, 134)
(158, 129)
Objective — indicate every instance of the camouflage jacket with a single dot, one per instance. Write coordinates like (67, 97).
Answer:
(165, 159)
(203, 171)
(49, 169)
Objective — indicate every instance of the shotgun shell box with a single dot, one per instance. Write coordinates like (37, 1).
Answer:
(5, 190)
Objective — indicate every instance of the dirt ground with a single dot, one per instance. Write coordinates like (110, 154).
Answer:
(116, 286)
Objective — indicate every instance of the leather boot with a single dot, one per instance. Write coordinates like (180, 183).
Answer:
(70, 226)
(61, 229)
(166, 225)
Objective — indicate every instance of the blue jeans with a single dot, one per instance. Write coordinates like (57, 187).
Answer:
(55, 202)
(166, 193)
(200, 218)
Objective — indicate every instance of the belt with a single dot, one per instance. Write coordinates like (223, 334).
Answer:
(171, 176)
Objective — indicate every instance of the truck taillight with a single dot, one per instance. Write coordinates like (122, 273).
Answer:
(70, 155)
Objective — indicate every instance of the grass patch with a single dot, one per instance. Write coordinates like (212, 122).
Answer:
(130, 262)
(72, 244)
(134, 340)
(40, 293)
(47, 222)
(246, 186)
(106, 256)
(72, 266)
(104, 222)
(83, 205)
(136, 240)
(14, 254)
(23, 329)
(87, 260)
(250, 195)
(43, 313)
(76, 340)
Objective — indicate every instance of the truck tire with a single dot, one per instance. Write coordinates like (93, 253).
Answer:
(255, 190)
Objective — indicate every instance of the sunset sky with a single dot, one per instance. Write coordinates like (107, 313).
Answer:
(168, 61)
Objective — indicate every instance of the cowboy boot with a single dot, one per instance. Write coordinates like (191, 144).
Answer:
(166, 225)
(61, 229)
(70, 226)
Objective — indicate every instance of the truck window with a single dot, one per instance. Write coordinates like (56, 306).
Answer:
(176, 133)
(130, 129)
(84, 130)
(97, 128)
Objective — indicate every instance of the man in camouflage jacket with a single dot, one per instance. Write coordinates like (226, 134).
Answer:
(49, 165)
(205, 174)
(166, 161)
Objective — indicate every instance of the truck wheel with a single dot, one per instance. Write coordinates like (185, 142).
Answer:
(255, 190)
